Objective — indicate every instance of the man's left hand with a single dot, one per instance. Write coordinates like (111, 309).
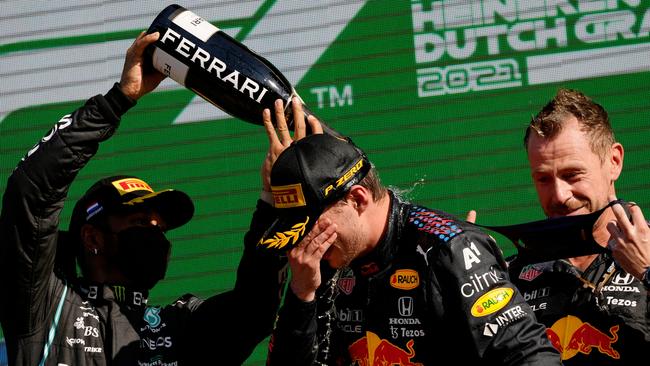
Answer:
(630, 240)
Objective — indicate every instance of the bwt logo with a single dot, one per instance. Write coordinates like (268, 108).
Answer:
(288, 196)
(405, 279)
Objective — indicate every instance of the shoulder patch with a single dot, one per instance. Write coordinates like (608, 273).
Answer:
(531, 271)
(431, 222)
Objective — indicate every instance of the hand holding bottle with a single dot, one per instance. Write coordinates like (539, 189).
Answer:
(138, 80)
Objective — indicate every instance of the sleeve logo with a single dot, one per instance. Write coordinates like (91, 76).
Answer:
(492, 301)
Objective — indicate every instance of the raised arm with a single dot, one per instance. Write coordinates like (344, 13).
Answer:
(38, 187)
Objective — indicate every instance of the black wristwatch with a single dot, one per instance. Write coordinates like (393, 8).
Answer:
(646, 279)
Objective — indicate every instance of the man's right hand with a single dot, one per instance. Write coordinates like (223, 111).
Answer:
(305, 259)
(137, 80)
(278, 144)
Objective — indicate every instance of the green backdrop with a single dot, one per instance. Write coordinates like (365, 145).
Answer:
(438, 93)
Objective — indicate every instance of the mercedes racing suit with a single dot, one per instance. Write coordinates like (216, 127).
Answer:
(598, 317)
(51, 318)
(433, 289)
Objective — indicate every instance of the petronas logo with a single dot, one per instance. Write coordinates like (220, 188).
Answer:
(152, 317)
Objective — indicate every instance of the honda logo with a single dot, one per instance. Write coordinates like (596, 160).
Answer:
(405, 306)
(622, 279)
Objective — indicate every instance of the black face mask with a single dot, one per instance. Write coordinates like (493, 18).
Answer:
(142, 255)
(555, 238)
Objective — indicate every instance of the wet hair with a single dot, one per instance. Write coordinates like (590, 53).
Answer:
(591, 116)
(373, 184)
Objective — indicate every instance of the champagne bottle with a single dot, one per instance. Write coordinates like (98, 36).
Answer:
(215, 66)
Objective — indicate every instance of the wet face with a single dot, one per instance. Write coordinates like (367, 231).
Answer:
(349, 243)
(569, 177)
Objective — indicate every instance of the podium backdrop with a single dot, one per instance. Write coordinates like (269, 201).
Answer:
(438, 93)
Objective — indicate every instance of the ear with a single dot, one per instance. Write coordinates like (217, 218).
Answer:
(616, 160)
(92, 239)
(360, 198)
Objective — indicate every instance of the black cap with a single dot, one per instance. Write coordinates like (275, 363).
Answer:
(309, 175)
(124, 193)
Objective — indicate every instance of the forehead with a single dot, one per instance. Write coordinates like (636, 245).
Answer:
(139, 213)
(569, 145)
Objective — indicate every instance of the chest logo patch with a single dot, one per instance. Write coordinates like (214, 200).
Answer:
(152, 317)
(346, 283)
(529, 273)
(405, 279)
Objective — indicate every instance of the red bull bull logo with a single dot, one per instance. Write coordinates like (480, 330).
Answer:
(373, 351)
(571, 336)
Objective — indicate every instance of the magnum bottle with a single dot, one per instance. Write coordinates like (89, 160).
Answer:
(223, 71)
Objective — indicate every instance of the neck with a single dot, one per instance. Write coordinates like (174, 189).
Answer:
(98, 271)
(601, 236)
(583, 262)
(378, 217)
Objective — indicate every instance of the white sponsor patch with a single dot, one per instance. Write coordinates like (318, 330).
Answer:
(197, 26)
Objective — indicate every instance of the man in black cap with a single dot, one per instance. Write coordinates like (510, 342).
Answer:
(379, 281)
(117, 238)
